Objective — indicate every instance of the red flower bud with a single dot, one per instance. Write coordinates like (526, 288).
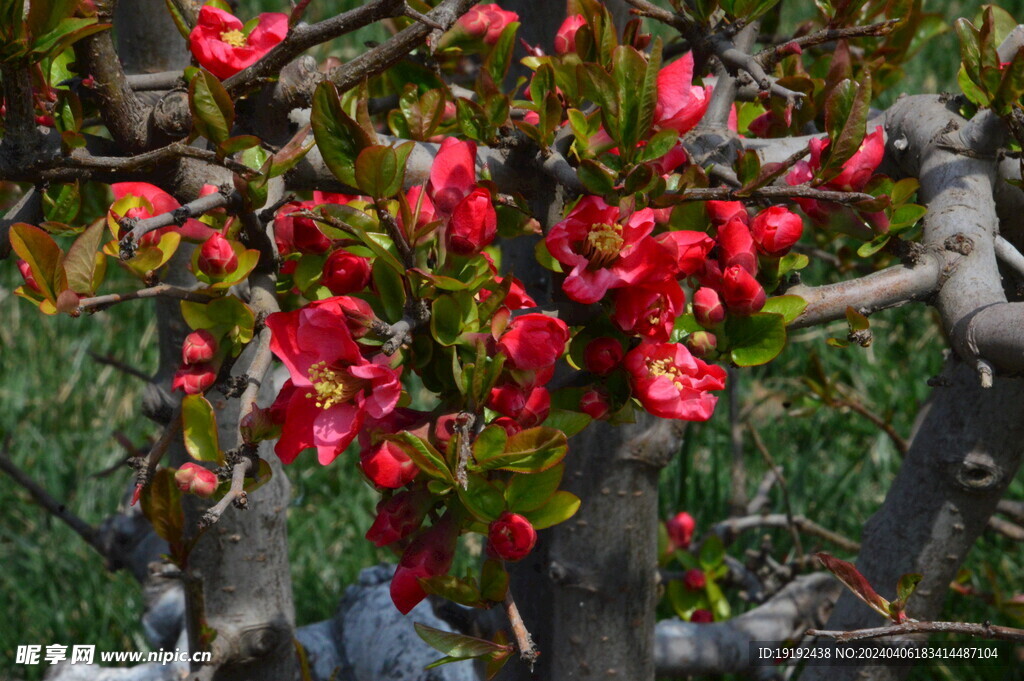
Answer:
(26, 274)
(511, 536)
(199, 346)
(307, 237)
(194, 379)
(474, 223)
(694, 579)
(721, 212)
(216, 257)
(534, 341)
(708, 308)
(594, 403)
(511, 426)
(565, 38)
(775, 230)
(194, 479)
(399, 516)
(346, 272)
(443, 430)
(602, 355)
(680, 529)
(702, 617)
(528, 407)
(736, 246)
(486, 22)
(742, 293)
(430, 554)
(387, 465)
(701, 344)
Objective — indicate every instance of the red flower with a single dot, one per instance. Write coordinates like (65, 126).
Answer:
(332, 387)
(594, 403)
(345, 272)
(602, 355)
(689, 249)
(680, 105)
(680, 529)
(672, 383)
(565, 38)
(720, 212)
(603, 253)
(736, 246)
(387, 465)
(194, 379)
(399, 516)
(199, 346)
(534, 341)
(511, 426)
(430, 554)
(517, 297)
(156, 201)
(486, 22)
(694, 579)
(511, 536)
(453, 174)
(775, 230)
(194, 479)
(702, 616)
(707, 307)
(742, 293)
(220, 45)
(649, 311)
(298, 234)
(528, 406)
(474, 223)
(216, 257)
(855, 174)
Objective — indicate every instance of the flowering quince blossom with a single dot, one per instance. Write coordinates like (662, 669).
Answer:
(602, 355)
(430, 554)
(216, 257)
(485, 22)
(743, 294)
(511, 536)
(604, 253)
(534, 341)
(194, 379)
(736, 246)
(672, 383)
(649, 310)
(199, 346)
(333, 387)
(388, 466)
(681, 104)
(471, 222)
(194, 479)
(694, 579)
(680, 529)
(345, 272)
(565, 37)
(158, 202)
(594, 403)
(701, 344)
(222, 48)
(707, 307)
(775, 230)
(399, 516)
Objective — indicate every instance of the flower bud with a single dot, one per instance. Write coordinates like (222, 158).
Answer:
(736, 246)
(694, 579)
(742, 293)
(443, 430)
(428, 555)
(387, 465)
(399, 516)
(534, 341)
(194, 479)
(216, 257)
(775, 230)
(194, 379)
(511, 536)
(708, 308)
(594, 403)
(474, 224)
(680, 529)
(259, 425)
(510, 425)
(486, 22)
(307, 237)
(565, 38)
(26, 274)
(199, 346)
(721, 212)
(702, 616)
(602, 355)
(702, 344)
(345, 272)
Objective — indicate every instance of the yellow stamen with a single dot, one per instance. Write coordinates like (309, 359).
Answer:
(664, 367)
(332, 386)
(234, 38)
(603, 244)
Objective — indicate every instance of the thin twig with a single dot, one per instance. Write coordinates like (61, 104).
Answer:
(984, 630)
(111, 361)
(145, 466)
(775, 194)
(85, 166)
(853, 404)
(234, 495)
(770, 56)
(1010, 530)
(225, 196)
(528, 652)
(83, 529)
(97, 303)
(264, 302)
(783, 487)
(732, 527)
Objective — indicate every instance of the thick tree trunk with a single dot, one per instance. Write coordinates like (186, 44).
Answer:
(964, 455)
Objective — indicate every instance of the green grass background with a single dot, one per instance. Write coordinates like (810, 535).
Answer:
(61, 410)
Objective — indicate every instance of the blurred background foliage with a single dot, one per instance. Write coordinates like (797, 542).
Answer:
(62, 411)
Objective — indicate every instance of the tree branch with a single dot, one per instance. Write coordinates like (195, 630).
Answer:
(226, 196)
(985, 630)
(730, 528)
(528, 652)
(98, 303)
(236, 495)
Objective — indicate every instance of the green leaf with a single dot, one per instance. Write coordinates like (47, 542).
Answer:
(529, 492)
(712, 553)
(454, 589)
(455, 645)
(790, 307)
(180, 22)
(67, 32)
(423, 454)
(856, 320)
(227, 316)
(338, 137)
(597, 179)
(567, 421)
(660, 144)
(629, 70)
(451, 315)
(493, 581)
(868, 249)
(81, 262)
(199, 428)
(757, 339)
(388, 285)
(906, 586)
(481, 498)
(491, 442)
(562, 506)
(378, 172)
(213, 113)
(846, 116)
(531, 451)
(161, 504)
(497, 62)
